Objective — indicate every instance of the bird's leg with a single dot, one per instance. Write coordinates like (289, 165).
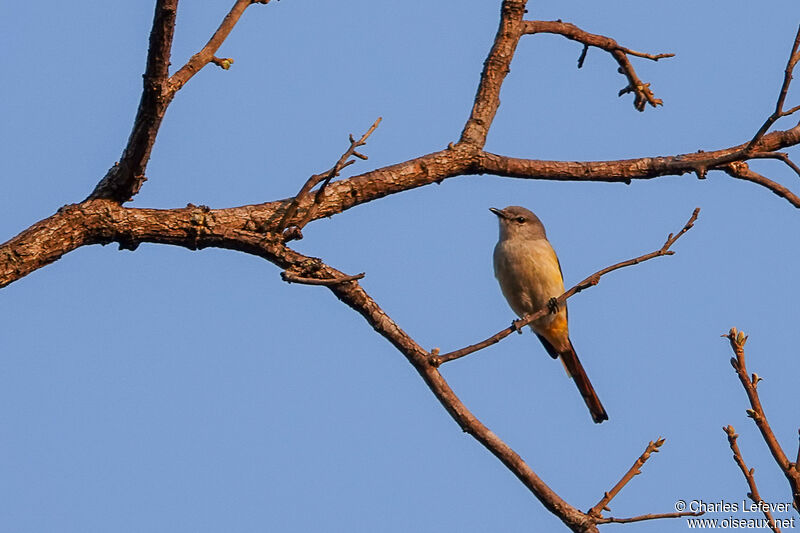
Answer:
(552, 305)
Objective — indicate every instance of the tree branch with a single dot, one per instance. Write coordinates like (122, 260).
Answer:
(634, 470)
(206, 54)
(324, 178)
(642, 93)
(741, 171)
(495, 69)
(290, 277)
(590, 281)
(197, 227)
(748, 475)
(737, 340)
(641, 518)
(125, 178)
(794, 57)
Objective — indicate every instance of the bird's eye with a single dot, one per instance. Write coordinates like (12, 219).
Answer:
(520, 219)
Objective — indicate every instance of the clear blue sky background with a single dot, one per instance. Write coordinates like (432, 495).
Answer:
(164, 390)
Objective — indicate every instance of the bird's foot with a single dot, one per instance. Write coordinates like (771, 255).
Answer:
(552, 305)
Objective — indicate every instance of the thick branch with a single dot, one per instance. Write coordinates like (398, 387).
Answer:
(125, 178)
(748, 475)
(495, 69)
(642, 93)
(590, 281)
(756, 412)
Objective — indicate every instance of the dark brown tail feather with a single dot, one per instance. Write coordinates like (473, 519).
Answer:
(576, 371)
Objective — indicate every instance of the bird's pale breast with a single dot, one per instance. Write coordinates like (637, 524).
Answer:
(529, 277)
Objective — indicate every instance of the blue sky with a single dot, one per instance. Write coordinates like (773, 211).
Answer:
(169, 390)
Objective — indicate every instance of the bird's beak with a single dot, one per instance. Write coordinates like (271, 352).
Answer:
(499, 212)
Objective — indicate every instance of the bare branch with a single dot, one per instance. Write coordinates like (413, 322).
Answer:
(125, 178)
(737, 340)
(591, 281)
(206, 54)
(643, 94)
(741, 170)
(324, 178)
(748, 475)
(634, 470)
(641, 518)
(794, 57)
(783, 156)
(289, 277)
(495, 69)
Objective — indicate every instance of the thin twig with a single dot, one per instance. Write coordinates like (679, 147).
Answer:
(741, 170)
(794, 57)
(748, 475)
(324, 178)
(206, 54)
(641, 518)
(591, 281)
(783, 156)
(290, 277)
(737, 341)
(634, 470)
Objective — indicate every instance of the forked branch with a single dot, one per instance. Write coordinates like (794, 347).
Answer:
(126, 177)
(642, 93)
(794, 57)
(324, 178)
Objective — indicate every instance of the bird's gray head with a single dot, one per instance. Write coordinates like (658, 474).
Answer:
(518, 223)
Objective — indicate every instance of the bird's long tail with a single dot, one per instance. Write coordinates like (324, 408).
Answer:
(576, 371)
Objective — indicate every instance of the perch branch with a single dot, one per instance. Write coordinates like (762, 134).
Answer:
(642, 93)
(748, 475)
(590, 281)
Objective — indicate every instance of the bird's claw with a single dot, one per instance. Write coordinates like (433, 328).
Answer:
(552, 305)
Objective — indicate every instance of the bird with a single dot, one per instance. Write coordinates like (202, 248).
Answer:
(530, 278)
